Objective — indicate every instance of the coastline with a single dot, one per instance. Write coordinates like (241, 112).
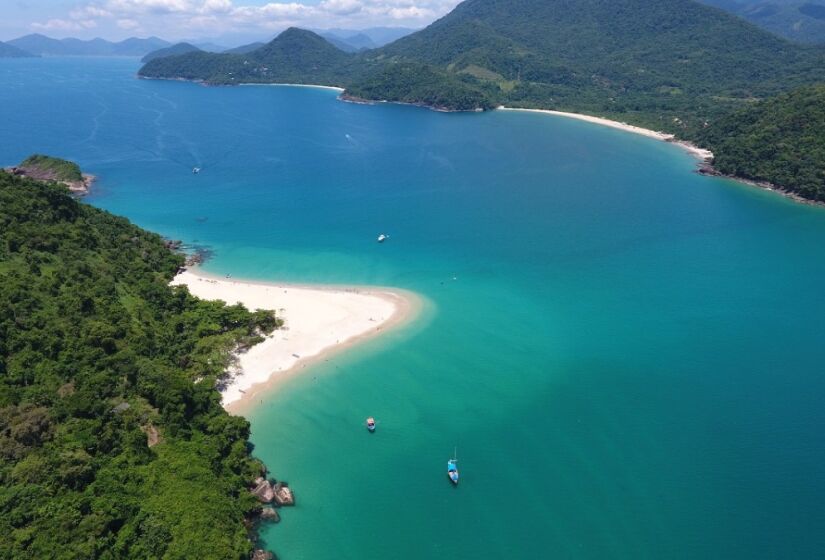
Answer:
(705, 156)
(317, 86)
(318, 321)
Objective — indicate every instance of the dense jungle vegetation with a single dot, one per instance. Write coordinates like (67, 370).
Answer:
(113, 442)
(780, 140)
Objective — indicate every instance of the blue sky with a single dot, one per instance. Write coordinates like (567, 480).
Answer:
(193, 19)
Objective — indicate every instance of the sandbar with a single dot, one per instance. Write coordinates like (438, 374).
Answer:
(317, 321)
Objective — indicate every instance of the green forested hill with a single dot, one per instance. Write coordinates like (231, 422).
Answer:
(98, 358)
(295, 56)
(780, 140)
(670, 64)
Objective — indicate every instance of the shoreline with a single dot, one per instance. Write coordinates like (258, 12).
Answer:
(703, 155)
(318, 86)
(319, 321)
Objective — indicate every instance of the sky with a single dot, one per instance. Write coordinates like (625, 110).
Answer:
(207, 19)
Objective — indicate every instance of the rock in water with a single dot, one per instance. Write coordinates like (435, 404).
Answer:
(269, 514)
(283, 495)
(263, 490)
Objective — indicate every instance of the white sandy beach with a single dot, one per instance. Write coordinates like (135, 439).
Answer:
(317, 320)
(702, 154)
(333, 88)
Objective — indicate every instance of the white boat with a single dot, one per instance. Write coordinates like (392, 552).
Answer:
(452, 468)
(196, 170)
(383, 237)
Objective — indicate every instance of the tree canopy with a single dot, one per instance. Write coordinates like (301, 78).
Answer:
(780, 140)
(99, 357)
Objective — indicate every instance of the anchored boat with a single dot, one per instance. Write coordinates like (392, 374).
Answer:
(383, 237)
(371, 424)
(452, 468)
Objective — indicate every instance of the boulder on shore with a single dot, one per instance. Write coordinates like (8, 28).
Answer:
(269, 514)
(262, 555)
(263, 490)
(283, 495)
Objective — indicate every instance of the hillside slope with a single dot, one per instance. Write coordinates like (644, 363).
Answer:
(654, 61)
(779, 140)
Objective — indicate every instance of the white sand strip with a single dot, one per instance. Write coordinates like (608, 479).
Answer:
(316, 320)
(700, 153)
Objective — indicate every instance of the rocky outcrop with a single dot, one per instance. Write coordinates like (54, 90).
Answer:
(262, 555)
(283, 495)
(263, 490)
(278, 493)
(269, 514)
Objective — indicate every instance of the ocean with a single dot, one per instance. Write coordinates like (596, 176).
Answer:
(626, 356)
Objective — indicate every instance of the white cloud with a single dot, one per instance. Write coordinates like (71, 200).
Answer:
(65, 25)
(128, 24)
(175, 18)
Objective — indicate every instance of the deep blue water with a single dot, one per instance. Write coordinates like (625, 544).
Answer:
(629, 358)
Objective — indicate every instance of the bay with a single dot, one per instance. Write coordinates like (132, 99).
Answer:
(627, 355)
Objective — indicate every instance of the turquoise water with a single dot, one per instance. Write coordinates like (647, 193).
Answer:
(629, 358)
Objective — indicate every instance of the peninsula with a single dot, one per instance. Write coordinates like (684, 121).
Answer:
(56, 170)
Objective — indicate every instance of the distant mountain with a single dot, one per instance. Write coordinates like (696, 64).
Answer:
(378, 36)
(210, 47)
(294, 56)
(46, 46)
(10, 51)
(348, 42)
(798, 20)
(180, 48)
(339, 43)
(244, 49)
(780, 140)
(135, 46)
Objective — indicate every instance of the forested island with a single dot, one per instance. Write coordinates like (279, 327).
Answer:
(113, 441)
(52, 169)
(671, 65)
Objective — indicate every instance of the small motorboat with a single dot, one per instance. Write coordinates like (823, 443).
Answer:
(383, 237)
(452, 469)
(196, 170)
(371, 424)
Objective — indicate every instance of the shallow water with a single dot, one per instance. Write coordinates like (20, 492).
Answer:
(627, 355)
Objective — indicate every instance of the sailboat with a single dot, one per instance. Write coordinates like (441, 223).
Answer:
(452, 468)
